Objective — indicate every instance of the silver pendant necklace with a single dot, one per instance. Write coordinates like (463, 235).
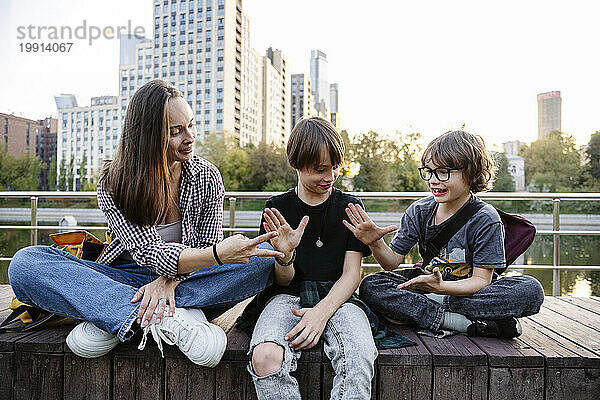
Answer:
(319, 243)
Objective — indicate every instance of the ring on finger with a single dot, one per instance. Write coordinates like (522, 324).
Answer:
(162, 298)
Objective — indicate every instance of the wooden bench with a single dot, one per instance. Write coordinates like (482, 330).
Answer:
(557, 357)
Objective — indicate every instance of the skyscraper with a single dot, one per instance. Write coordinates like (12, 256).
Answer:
(252, 89)
(198, 48)
(302, 102)
(549, 114)
(319, 82)
(202, 47)
(333, 105)
(276, 114)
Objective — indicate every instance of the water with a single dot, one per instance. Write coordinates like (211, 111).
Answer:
(574, 250)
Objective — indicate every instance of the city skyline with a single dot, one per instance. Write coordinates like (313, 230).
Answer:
(395, 71)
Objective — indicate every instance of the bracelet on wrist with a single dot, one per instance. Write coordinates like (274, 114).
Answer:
(285, 264)
(217, 259)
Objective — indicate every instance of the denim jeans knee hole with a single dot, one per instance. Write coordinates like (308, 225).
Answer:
(287, 362)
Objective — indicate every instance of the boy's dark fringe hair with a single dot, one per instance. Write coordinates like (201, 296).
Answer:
(309, 137)
(460, 149)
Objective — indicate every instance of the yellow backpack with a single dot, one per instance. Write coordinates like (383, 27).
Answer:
(81, 244)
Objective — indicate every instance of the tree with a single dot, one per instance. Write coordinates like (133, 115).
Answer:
(70, 175)
(83, 179)
(405, 168)
(62, 177)
(52, 173)
(22, 173)
(345, 167)
(266, 166)
(372, 153)
(386, 164)
(504, 181)
(593, 155)
(234, 168)
(552, 164)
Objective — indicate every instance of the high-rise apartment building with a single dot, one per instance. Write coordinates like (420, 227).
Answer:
(301, 99)
(319, 82)
(334, 115)
(198, 48)
(549, 113)
(202, 47)
(87, 133)
(252, 86)
(276, 115)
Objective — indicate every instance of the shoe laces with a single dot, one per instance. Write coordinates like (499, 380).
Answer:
(178, 332)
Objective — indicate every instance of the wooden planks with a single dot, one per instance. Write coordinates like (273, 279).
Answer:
(557, 357)
(406, 372)
(459, 368)
(563, 333)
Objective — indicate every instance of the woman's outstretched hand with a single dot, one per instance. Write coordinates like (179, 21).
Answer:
(362, 227)
(238, 249)
(287, 239)
(155, 296)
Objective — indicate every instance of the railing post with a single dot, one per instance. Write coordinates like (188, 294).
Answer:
(231, 213)
(556, 247)
(34, 222)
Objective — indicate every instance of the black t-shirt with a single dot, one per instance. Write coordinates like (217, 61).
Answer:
(315, 263)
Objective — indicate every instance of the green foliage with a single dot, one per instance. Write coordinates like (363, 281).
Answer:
(234, 168)
(62, 176)
(52, 173)
(593, 155)
(21, 173)
(504, 181)
(83, 169)
(70, 175)
(552, 164)
(268, 164)
(386, 164)
(261, 168)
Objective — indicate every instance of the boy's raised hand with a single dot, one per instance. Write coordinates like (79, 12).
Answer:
(362, 227)
(430, 283)
(287, 239)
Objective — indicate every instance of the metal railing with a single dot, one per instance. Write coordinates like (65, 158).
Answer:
(232, 197)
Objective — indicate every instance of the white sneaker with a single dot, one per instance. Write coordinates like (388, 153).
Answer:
(202, 342)
(88, 341)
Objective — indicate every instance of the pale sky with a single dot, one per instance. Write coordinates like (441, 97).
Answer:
(425, 66)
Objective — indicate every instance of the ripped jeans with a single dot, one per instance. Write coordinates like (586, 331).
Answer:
(348, 343)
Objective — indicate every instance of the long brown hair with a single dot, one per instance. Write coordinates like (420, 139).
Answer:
(138, 177)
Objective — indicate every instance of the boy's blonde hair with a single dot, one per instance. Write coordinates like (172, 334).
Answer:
(460, 149)
(309, 137)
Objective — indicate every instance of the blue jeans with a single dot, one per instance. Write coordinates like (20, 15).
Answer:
(57, 281)
(348, 343)
(510, 296)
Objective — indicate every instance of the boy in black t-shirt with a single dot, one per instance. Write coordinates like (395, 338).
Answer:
(320, 272)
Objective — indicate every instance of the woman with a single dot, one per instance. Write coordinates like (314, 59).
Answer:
(164, 209)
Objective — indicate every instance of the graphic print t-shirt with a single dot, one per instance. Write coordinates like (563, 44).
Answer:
(479, 243)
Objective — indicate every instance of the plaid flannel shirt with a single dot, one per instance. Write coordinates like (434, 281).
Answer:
(201, 208)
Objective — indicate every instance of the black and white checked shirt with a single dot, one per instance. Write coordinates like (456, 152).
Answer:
(201, 207)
